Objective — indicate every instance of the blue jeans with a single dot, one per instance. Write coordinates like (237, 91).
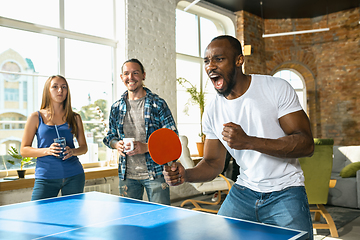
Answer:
(47, 188)
(288, 208)
(157, 190)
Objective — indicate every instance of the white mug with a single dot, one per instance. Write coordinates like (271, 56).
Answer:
(131, 141)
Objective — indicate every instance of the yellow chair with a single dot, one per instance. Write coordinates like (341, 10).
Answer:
(317, 172)
(220, 184)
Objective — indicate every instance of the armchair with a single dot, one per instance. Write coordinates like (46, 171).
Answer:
(317, 172)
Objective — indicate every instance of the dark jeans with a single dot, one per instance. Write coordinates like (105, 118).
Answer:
(47, 188)
(288, 208)
(157, 190)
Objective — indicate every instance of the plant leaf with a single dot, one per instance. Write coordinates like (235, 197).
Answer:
(12, 162)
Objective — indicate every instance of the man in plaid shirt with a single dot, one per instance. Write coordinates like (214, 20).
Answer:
(137, 114)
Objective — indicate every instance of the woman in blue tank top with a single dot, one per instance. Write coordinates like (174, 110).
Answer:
(57, 168)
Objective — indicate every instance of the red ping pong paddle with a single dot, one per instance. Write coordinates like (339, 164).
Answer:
(164, 146)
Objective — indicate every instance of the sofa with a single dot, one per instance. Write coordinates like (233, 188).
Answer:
(346, 171)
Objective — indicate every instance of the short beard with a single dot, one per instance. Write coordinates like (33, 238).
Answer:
(231, 83)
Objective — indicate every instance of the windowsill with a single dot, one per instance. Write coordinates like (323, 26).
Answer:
(92, 171)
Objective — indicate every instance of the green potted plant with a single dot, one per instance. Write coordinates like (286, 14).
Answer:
(196, 98)
(13, 152)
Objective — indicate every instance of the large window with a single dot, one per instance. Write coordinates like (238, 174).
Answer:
(296, 81)
(40, 38)
(194, 32)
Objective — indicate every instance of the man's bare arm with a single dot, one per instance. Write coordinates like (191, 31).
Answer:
(206, 170)
(211, 165)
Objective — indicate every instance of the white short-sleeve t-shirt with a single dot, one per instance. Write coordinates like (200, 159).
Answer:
(258, 111)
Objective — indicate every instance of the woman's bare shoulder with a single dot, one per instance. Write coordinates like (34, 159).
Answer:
(34, 115)
(33, 118)
(45, 115)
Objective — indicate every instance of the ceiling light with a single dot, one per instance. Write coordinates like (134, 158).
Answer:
(295, 32)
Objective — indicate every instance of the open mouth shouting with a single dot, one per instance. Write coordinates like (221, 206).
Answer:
(217, 80)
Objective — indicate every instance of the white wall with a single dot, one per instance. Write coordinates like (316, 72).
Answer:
(150, 37)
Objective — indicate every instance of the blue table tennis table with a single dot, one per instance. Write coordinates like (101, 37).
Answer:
(95, 215)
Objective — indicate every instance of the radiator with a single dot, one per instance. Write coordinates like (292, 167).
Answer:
(105, 188)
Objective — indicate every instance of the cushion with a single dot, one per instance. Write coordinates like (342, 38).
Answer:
(352, 153)
(350, 170)
(339, 160)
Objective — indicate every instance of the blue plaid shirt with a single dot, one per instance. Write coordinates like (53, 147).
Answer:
(157, 115)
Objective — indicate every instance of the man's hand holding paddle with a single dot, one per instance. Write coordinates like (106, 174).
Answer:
(175, 174)
(165, 147)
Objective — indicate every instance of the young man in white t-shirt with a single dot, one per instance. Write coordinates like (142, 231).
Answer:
(259, 121)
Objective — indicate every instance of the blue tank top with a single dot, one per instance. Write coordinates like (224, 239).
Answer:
(51, 167)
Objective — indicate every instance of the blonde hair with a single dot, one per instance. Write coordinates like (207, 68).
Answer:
(69, 115)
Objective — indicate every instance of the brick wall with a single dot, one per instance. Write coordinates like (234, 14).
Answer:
(328, 61)
(150, 37)
(249, 32)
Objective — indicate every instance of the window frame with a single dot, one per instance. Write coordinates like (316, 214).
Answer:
(303, 90)
(61, 35)
(224, 21)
